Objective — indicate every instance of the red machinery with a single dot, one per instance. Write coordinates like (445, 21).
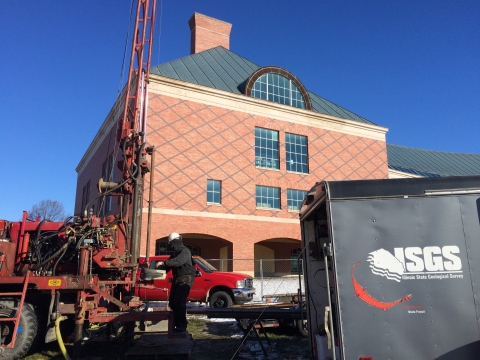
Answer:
(84, 268)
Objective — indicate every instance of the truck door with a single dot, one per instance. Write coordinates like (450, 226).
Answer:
(199, 287)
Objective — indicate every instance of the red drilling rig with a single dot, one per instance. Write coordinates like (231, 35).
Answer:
(84, 270)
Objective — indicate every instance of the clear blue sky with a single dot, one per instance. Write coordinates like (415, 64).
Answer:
(411, 66)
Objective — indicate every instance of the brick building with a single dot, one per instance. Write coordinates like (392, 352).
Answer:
(237, 147)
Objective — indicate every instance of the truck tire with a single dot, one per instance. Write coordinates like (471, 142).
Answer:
(220, 299)
(243, 323)
(301, 325)
(28, 328)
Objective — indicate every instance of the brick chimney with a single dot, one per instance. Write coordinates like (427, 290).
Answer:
(207, 33)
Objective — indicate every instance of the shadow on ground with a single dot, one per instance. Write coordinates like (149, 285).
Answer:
(219, 339)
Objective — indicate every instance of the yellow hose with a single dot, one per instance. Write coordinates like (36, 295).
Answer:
(59, 337)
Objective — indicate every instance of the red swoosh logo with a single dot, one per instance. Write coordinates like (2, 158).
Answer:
(363, 295)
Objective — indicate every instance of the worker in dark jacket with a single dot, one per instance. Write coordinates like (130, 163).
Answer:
(183, 271)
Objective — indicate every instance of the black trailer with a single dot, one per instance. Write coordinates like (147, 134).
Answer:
(398, 264)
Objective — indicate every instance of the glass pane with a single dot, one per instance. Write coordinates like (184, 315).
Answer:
(296, 153)
(295, 199)
(266, 148)
(279, 89)
(267, 197)
(213, 191)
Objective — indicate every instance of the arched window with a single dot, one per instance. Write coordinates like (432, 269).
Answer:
(277, 85)
(279, 89)
(162, 248)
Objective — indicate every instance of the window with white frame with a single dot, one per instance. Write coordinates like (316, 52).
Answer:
(296, 153)
(267, 197)
(266, 148)
(295, 199)
(279, 89)
(214, 191)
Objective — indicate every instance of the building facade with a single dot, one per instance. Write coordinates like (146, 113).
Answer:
(237, 146)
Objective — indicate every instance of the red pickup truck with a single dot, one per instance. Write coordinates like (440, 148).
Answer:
(217, 288)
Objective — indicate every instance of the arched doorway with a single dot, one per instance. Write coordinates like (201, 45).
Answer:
(275, 257)
(217, 251)
(162, 248)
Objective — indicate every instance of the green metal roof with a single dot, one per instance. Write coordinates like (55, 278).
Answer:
(429, 163)
(222, 69)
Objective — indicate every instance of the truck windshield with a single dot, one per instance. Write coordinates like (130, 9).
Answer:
(204, 265)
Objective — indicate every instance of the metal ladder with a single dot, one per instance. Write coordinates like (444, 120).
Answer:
(16, 319)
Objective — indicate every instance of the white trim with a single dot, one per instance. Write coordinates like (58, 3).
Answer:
(202, 94)
(222, 216)
(395, 174)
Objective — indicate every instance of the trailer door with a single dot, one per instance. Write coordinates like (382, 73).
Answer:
(407, 275)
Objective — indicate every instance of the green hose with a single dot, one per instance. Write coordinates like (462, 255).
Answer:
(59, 337)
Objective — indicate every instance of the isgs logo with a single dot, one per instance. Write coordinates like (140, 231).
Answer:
(412, 263)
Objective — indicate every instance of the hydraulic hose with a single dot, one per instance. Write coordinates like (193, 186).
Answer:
(37, 240)
(39, 229)
(124, 151)
(37, 266)
(133, 176)
(59, 337)
(58, 261)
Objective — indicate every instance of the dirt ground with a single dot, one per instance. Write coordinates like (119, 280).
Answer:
(217, 339)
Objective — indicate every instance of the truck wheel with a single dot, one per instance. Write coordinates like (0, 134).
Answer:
(243, 323)
(27, 329)
(301, 327)
(220, 299)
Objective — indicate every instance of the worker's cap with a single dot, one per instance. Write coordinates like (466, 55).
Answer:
(174, 236)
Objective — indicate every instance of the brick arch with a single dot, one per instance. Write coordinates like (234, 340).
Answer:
(281, 246)
(197, 228)
(280, 239)
(274, 232)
